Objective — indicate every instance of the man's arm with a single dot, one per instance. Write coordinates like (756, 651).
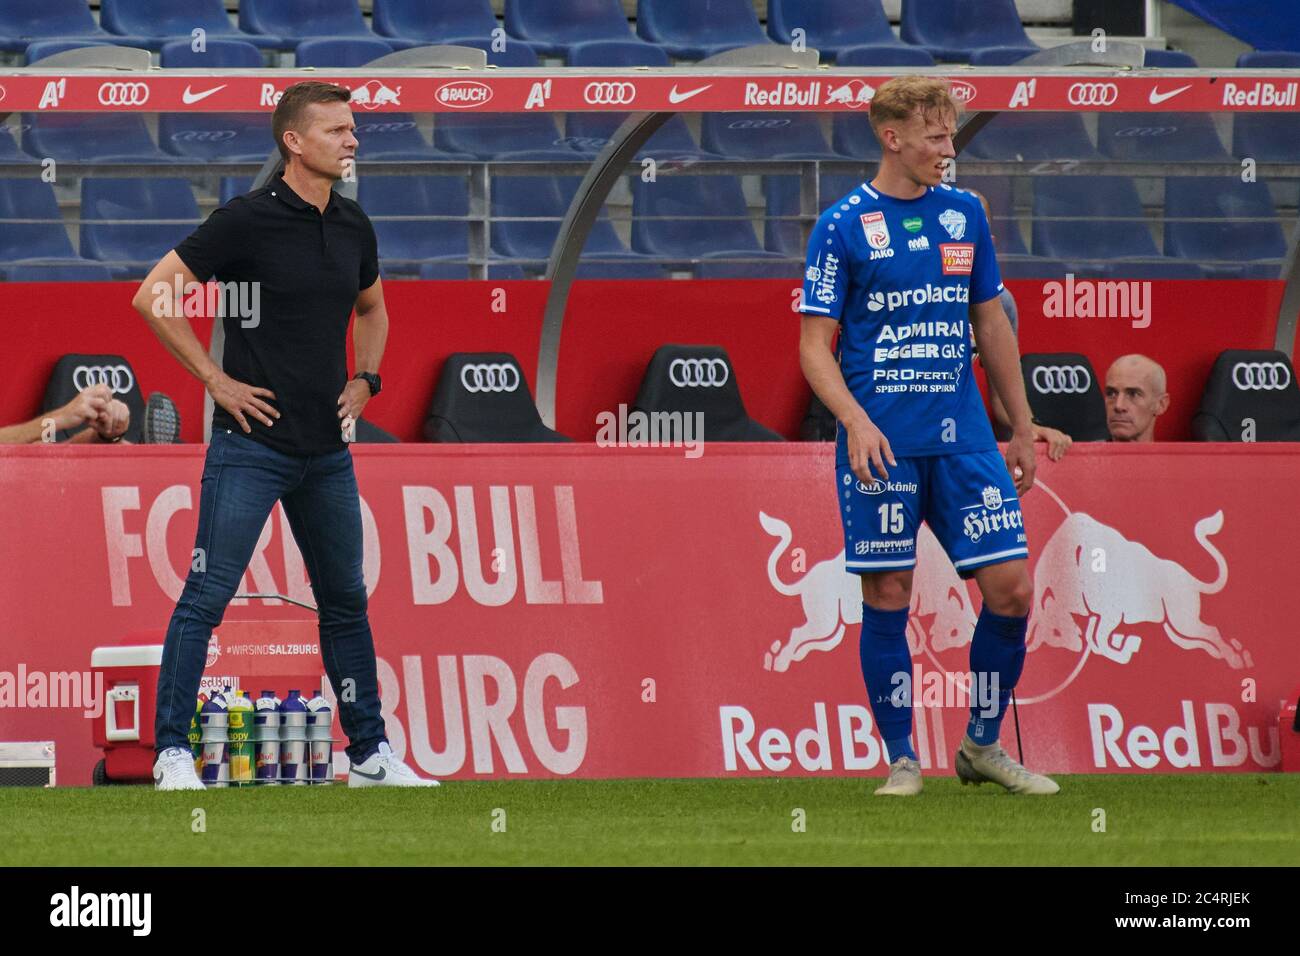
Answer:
(371, 329)
(1001, 358)
(866, 444)
(178, 337)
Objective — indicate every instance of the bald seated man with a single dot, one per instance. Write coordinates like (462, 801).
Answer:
(1135, 398)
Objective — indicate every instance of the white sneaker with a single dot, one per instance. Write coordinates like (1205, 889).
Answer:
(174, 770)
(992, 764)
(904, 779)
(383, 769)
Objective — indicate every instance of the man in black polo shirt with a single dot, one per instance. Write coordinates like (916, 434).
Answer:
(297, 258)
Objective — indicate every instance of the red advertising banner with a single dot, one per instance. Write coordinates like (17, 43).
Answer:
(549, 611)
(674, 90)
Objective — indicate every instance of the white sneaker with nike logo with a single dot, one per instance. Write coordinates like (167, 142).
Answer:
(383, 769)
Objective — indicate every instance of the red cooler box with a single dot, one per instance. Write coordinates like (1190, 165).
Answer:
(125, 730)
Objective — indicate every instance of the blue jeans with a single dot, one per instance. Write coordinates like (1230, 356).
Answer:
(242, 480)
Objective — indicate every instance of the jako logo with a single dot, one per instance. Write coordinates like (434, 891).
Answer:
(921, 295)
(102, 909)
(1086, 299)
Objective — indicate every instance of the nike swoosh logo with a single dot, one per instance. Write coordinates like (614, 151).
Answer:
(369, 776)
(189, 97)
(1158, 97)
(675, 97)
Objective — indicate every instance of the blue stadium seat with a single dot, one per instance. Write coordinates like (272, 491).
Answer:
(1033, 137)
(517, 53)
(773, 268)
(135, 248)
(502, 136)
(56, 271)
(1001, 55)
(1258, 244)
(28, 198)
(22, 22)
(92, 137)
(232, 186)
(690, 30)
(460, 270)
(405, 245)
(877, 55)
(341, 52)
(396, 137)
(1004, 225)
(830, 26)
(1031, 267)
(163, 21)
(784, 135)
(9, 149)
(547, 197)
(1090, 217)
(293, 21)
(1159, 137)
(667, 223)
(589, 132)
(782, 196)
(43, 48)
(434, 22)
(1267, 137)
(852, 136)
(1269, 60)
(218, 54)
(1169, 60)
(552, 29)
(954, 29)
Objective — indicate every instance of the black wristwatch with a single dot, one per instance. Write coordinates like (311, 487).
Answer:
(371, 379)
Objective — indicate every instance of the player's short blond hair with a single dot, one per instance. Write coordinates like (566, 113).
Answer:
(904, 96)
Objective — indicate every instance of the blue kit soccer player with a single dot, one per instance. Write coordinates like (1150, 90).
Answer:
(898, 267)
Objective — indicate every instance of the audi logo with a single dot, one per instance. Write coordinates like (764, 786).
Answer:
(123, 94)
(118, 378)
(758, 124)
(365, 128)
(203, 136)
(1093, 94)
(1261, 376)
(1061, 380)
(609, 94)
(695, 373)
(496, 377)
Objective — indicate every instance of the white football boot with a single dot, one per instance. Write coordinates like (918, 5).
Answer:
(992, 764)
(904, 779)
(383, 769)
(174, 770)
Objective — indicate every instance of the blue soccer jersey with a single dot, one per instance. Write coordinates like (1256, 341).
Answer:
(900, 276)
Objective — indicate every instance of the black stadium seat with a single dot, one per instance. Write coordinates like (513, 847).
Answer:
(484, 397)
(1064, 393)
(699, 378)
(1250, 396)
(75, 372)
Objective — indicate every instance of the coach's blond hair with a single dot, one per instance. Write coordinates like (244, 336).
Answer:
(904, 96)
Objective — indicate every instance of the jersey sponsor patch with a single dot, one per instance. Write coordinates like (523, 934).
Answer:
(877, 230)
(958, 258)
(954, 222)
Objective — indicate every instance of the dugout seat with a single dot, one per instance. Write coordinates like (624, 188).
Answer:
(547, 197)
(1068, 222)
(875, 54)
(217, 54)
(1033, 137)
(503, 137)
(215, 137)
(23, 22)
(552, 29)
(164, 21)
(484, 397)
(460, 270)
(1248, 230)
(818, 423)
(92, 138)
(42, 48)
(1267, 137)
(404, 246)
(75, 371)
(1001, 55)
(671, 219)
(66, 270)
(1004, 225)
(954, 29)
(1064, 393)
(1169, 60)
(781, 194)
(1259, 385)
(831, 26)
(341, 52)
(694, 31)
(699, 378)
(761, 136)
(436, 22)
(292, 21)
(47, 238)
(132, 249)
(1160, 138)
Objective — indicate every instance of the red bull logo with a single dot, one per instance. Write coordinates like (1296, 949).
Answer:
(373, 94)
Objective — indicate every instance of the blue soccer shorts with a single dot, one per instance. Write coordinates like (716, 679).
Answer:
(968, 500)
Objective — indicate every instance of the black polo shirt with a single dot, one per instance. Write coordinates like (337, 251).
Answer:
(310, 267)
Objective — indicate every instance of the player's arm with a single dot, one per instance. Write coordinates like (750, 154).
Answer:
(168, 321)
(867, 445)
(1000, 355)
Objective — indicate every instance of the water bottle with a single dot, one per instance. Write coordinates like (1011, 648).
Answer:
(321, 744)
(266, 737)
(239, 716)
(213, 725)
(294, 766)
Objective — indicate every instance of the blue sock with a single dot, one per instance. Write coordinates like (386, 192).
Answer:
(997, 651)
(882, 648)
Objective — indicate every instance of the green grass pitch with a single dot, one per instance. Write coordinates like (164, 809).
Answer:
(1225, 819)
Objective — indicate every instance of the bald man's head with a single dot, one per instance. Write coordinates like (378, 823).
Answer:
(1135, 397)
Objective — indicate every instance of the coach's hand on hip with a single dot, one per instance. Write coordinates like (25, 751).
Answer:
(353, 399)
(238, 398)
